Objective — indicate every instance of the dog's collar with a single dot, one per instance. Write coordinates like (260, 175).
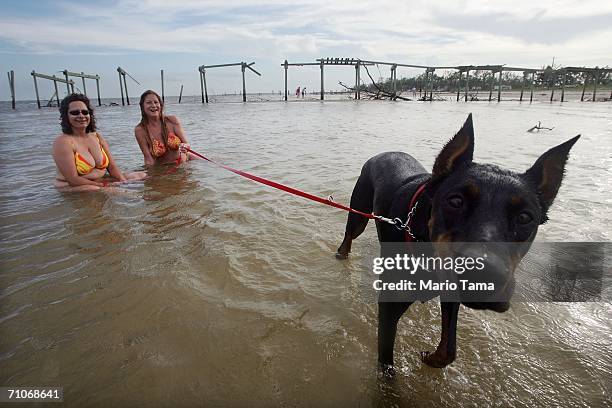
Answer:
(414, 201)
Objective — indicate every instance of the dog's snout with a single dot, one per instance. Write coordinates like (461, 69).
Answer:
(489, 232)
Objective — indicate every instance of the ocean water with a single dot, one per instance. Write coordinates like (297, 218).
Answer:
(199, 287)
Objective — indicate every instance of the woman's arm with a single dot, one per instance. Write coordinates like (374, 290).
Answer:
(63, 154)
(113, 169)
(141, 138)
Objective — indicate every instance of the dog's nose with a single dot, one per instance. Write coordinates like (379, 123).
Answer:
(489, 233)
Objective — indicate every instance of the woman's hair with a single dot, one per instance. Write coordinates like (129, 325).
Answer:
(144, 120)
(64, 106)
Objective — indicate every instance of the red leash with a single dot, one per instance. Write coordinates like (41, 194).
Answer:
(288, 189)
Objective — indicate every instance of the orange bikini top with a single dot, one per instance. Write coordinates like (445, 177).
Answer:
(158, 149)
(83, 167)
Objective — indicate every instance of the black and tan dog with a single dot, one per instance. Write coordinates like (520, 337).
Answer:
(460, 201)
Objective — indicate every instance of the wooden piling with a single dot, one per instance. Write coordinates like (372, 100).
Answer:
(586, 76)
(322, 81)
(431, 84)
(84, 88)
(286, 64)
(11, 79)
(552, 92)
(467, 84)
(532, 81)
(499, 85)
(65, 72)
(393, 78)
(244, 99)
(523, 86)
(459, 84)
(491, 85)
(127, 97)
(162, 84)
(205, 87)
(36, 89)
(56, 92)
(121, 87)
(563, 85)
(181, 94)
(358, 66)
(98, 89)
(595, 85)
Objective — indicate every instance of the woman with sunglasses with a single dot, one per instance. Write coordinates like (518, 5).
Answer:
(160, 137)
(81, 154)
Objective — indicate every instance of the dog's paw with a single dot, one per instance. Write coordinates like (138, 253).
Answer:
(386, 370)
(340, 255)
(435, 359)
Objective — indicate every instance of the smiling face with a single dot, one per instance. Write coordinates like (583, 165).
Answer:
(151, 106)
(78, 116)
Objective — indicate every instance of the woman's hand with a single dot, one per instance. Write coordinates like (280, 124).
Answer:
(183, 147)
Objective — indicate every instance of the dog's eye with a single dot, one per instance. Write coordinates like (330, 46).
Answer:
(455, 201)
(524, 218)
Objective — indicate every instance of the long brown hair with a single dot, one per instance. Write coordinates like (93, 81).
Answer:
(144, 120)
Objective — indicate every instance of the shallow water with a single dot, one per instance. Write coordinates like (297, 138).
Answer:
(197, 286)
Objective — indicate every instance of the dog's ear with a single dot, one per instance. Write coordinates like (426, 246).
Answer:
(547, 173)
(459, 150)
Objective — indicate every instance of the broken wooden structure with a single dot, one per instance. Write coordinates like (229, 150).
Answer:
(84, 76)
(69, 84)
(243, 66)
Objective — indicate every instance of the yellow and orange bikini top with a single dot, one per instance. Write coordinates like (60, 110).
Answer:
(82, 165)
(158, 149)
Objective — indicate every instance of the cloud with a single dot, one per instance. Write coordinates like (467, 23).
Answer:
(419, 32)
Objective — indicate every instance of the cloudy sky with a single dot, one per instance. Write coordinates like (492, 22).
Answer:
(144, 36)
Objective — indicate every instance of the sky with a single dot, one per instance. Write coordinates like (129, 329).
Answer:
(145, 36)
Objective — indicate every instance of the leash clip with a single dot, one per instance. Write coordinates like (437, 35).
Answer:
(405, 226)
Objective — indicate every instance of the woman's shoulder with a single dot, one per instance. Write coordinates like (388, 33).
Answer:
(63, 138)
(139, 130)
(172, 119)
(63, 141)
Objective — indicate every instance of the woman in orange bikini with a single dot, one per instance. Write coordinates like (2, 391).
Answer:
(160, 137)
(81, 154)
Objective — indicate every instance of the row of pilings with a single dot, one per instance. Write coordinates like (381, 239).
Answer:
(462, 81)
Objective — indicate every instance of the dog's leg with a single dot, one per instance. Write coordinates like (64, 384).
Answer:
(388, 315)
(447, 349)
(362, 199)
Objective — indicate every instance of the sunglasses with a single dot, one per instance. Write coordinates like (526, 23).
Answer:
(83, 112)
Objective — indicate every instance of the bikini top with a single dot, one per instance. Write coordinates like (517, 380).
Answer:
(158, 149)
(83, 167)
